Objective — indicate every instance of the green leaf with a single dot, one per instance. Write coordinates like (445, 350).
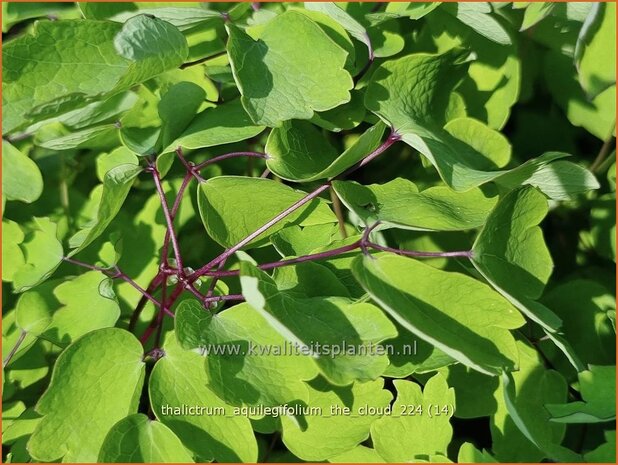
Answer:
(13, 257)
(223, 124)
(492, 144)
(492, 84)
(14, 13)
(153, 45)
(328, 431)
(59, 138)
(457, 314)
(560, 180)
(22, 426)
(103, 10)
(360, 454)
(335, 31)
(292, 56)
(534, 13)
(118, 156)
(92, 59)
(116, 186)
(136, 438)
(42, 255)
(294, 240)
(511, 254)
(141, 141)
(386, 38)
(583, 305)
(477, 17)
(178, 380)
(96, 381)
(183, 18)
(227, 207)
(355, 29)
(59, 309)
(298, 152)
(417, 426)
(606, 452)
(309, 279)
(603, 225)
(177, 108)
(412, 355)
(394, 10)
(399, 204)
(520, 428)
(598, 390)
(597, 115)
(246, 362)
(474, 392)
(343, 117)
(470, 454)
(417, 113)
(21, 178)
(595, 53)
(341, 336)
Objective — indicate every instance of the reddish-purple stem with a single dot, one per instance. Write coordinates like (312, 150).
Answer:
(232, 250)
(225, 156)
(161, 314)
(190, 167)
(339, 251)
(168, 217)
(185, 183)
(291, 261)
(155, 283)
(391, 139)
(420, 254)
(115, 274)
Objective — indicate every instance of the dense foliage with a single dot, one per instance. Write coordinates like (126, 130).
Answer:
(360, 232)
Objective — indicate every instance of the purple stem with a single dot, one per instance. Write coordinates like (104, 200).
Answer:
(156, 282)
(291, 261)
(168, 217)
(416, 253)
(225, 156)
(391, 139)
(161, 315)
(117, 274)
(232, 250)
(191, 288)
(190, 167)
(339, 251)
(224, 298)
(175, 207)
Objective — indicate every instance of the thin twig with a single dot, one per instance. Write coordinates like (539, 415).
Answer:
(420, 254)
(604, 152)
(232, 250)
(154, 284)
(225, 156)
(291, 261)
(168, 216)
(15, 348)
(116, 274)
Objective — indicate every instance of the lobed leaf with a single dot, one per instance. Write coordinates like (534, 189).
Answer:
(96, 381)
(457, 314)
(292, 56)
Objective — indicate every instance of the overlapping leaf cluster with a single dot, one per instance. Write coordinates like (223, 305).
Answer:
(178, 178)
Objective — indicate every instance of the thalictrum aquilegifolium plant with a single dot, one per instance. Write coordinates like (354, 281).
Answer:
(328, 232)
